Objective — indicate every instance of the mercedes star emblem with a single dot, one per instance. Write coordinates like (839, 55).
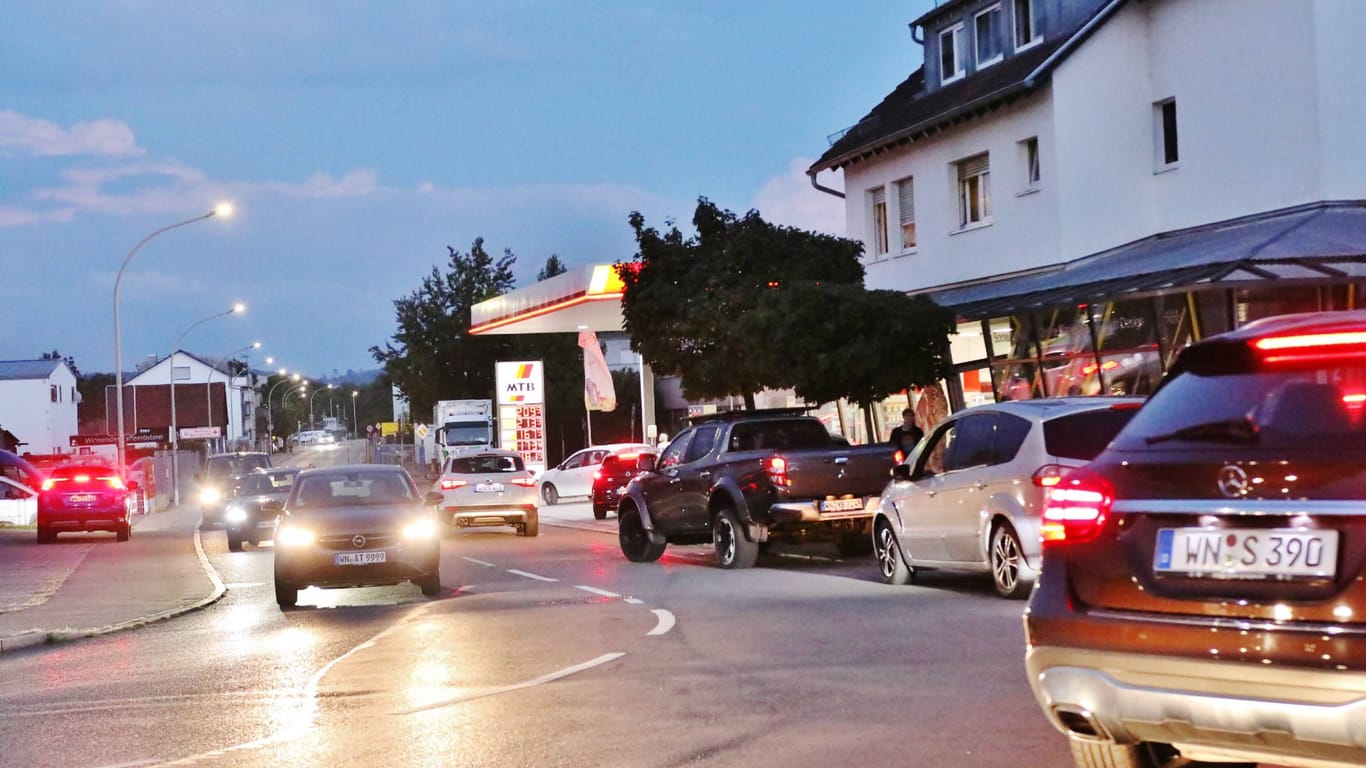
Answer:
(1233, 481)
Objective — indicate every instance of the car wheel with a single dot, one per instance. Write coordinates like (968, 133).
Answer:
(637, 544)
(430, 585)
(890, 564)
(125, 531)
(286, 595)
(1007, 563)
(550, 495)
(1088, 753)
(531, 527)
(854, 544)
(599, 512)
(733, 550)
(234, 543)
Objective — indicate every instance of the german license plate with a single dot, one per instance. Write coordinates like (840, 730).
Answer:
(841, 505)
(265, 524)
(1276, 553)
(81, 498)
(359, 558)
(489, 488)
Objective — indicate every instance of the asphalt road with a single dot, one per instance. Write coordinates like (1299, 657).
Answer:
(553, 651)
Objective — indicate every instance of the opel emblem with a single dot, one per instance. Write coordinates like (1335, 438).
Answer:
(358, 541)
(1233, 481)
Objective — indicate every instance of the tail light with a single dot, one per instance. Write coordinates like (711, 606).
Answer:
(898, 456)
(450, 484)
(1076, 509)
(1309, 347)
(1048, 476)
(82, 479)
(776, 466)
(525, 482)
(114, 482)
(48, 483)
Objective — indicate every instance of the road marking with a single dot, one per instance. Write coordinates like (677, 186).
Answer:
(537, 577)
(666, 622)
(596, 591)
(632, 601)
(479, 693)
(479, 562)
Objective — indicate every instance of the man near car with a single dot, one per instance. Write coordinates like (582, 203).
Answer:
(906, 434)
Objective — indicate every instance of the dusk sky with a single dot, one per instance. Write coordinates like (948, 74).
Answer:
(358, 139)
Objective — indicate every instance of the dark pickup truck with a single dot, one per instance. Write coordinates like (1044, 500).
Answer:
(746, 478)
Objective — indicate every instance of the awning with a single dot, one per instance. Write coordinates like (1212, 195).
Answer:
(1321, 241)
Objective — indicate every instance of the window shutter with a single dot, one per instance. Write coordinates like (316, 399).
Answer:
(973, 166)
(906, 197)
(879, 196)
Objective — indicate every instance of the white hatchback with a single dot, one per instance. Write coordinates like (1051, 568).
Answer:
(574, 475)
(489, 488)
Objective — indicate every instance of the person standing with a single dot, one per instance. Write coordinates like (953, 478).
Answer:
(906, 434)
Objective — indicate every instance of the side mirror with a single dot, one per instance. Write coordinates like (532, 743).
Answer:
(901, 473)
(434, 498)
(645, 463)
(273, 507)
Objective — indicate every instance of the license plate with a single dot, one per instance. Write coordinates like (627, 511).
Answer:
(358, 558)
(841, 505)
(81, 498)
(1276, 553)
(265, 524)
(489, 488)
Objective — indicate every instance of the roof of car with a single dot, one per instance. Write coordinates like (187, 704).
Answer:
(1050, 407)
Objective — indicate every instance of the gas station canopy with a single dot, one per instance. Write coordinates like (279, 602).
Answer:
(586, 298)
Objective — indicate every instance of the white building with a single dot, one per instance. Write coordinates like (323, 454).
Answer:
(38, 400)
(1092, 184)
(209, 394)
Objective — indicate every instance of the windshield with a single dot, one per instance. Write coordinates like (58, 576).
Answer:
(333, 490)
(468, 433)
(220, 467)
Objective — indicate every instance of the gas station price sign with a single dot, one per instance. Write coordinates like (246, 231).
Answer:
(521, 410)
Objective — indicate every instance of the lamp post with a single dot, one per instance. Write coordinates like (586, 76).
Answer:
(208, 384)
(223, 209)
(175, 433)
(355, 425)
(310, 403)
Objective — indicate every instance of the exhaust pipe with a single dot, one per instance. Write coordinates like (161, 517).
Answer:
(1080, 722)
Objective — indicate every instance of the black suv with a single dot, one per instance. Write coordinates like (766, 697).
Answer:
(1203, 590)
(218, 480)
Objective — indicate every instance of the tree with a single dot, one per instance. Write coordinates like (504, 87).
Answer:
(433, 357)
(684, 298)
(553, 266)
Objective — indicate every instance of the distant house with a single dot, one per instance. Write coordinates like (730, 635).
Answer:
(38, 401)
(209, 394)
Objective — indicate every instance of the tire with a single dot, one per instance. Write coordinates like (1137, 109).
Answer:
(286, 595)
(125, 531)
(1087, 753)
(891, 564)
(637, 544)
(531, 527)
(733, 550)
(551, 496)
(430, 585)
(854, 544)
(1007, 562)
(599, 512)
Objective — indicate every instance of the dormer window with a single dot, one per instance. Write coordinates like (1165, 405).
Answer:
(1026, 25)
(987, 30)
(950, 54)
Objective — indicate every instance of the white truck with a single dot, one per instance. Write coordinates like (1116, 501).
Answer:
(459, 427)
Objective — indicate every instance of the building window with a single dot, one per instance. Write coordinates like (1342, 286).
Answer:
(950, 58)
(1029, 157)
(879, 199)
(974, 191)
(987, 31)
(1026, 25)
(905, 197)
(54, 392)
(1164, 134)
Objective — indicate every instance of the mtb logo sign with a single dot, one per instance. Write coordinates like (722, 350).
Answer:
(521, 383)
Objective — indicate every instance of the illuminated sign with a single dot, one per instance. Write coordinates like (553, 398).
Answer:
(521, 411)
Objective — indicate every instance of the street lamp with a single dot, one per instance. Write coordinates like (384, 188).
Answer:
(355, 425)
(222, 209)
(310, 404)
(235, 309)
(208, 383)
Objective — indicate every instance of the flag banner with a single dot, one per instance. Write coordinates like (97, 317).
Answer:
(598, 392)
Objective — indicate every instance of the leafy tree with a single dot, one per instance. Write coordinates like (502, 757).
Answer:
(684, 298)
(432, 356)
(553, 266)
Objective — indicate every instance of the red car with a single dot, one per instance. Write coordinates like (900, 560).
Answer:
(615, 471)
(84, 497)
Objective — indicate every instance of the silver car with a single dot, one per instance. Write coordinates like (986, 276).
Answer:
(489, 488)
(969, 496)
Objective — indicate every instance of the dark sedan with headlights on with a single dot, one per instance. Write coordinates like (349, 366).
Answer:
(245, 518)
(360, 525)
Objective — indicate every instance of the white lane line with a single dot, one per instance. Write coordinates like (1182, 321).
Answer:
(535, 576)
(596, 591)
(666, 622)
(632, 601)
(484, 563)
(479, 693)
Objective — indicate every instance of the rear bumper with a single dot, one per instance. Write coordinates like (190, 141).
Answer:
(93, 519)
(1208, 709)
(474, 517)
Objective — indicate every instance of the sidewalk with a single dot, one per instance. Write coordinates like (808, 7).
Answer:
(161, 572)
(576, 514)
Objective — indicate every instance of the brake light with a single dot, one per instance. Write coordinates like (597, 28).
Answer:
(1076, 509)
(525, 482)
(81, 478)
(48, 483)
(450, 484)
(1312, 346)
(1047, 476)
(776, 467)
(114, 482)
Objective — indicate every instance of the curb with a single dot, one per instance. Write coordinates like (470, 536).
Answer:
(43, 636)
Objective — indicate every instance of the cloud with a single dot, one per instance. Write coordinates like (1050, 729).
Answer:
(792, 201)
(355, 183)
(11, 216)
(32, 136)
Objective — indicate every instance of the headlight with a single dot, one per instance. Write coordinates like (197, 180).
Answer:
(293, 536)
(420, 529)
(210, 495)
(235, 514)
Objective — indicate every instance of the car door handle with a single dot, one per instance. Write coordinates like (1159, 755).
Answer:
(704, 473)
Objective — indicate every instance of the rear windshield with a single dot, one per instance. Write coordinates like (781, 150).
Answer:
(486, 465)
(783, 435)
(1084, 435)
(235, 466)
(1305, 408)
(72, 470)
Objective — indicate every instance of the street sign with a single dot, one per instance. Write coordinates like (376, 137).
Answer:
(192, 433)
(421, 431)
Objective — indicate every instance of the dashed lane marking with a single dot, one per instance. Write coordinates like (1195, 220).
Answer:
(596, 591)
(484, 563)
(479, 693)
(535, 576)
